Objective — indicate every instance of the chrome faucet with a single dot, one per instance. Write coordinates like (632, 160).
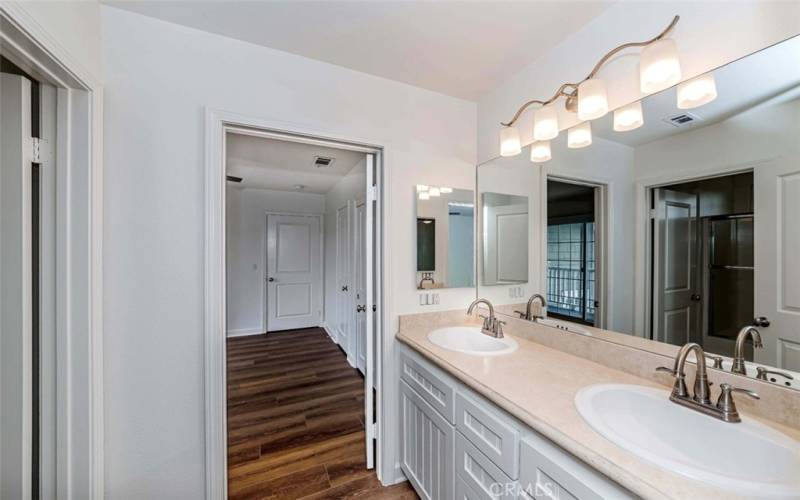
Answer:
(426, 277)
(491, 325)
(761, 374)
(724, 409)
(528, 314)
(738, 351)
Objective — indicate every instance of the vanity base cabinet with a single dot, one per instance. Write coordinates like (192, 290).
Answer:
(426, 447)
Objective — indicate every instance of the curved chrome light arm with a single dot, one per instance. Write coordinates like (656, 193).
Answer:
(562, 90)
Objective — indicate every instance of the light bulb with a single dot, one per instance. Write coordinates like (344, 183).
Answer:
(580, 135)
(421, 188)
(540, 151)
(545, 123)
(445, 190)
(628, 117)
(659, 66)
(697, 91)
(434, 191)
(592, 99)
(423, 195)
(509, 141)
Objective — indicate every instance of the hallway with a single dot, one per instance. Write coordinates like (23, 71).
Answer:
(295, 421)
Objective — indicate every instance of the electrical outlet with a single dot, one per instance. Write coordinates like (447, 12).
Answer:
(435, 298)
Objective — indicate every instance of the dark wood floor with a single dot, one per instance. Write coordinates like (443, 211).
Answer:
(296, 421)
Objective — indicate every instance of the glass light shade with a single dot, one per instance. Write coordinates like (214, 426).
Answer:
(540, 151)
(434, 191)
(509, 141)
(580, 135)
(445, 190)
(697, 91)
(545, 123)
(592, 99)
(659, 66)
(421, 188)
(628, 117)
(423, 195)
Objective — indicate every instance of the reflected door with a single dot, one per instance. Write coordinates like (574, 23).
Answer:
(294, 272)
(777, 266)
(676, 299)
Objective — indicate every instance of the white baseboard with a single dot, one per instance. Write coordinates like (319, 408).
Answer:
(243, 332)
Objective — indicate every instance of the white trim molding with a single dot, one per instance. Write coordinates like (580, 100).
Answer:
(78, 155)
(245, 332)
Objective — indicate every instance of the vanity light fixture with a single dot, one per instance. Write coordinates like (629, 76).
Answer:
(540, 151)
(545, 123)
(659, 65)
(509, 141)
(580, 135)
(628, 117)
(423, 195)
(445, 190)
(434, 191)
(697, 91)
(421, 188)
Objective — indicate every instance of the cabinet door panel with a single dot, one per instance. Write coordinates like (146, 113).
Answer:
(426, 447)
(432, 385)
(481, 474)
(494, 434)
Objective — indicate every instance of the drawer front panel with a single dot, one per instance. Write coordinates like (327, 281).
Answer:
(480, 474)
(429, 383)
(463, 491)
(426, 447)
(493, 434)
(549, 473)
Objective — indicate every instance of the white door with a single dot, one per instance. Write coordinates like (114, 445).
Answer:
(675, 282)
(777, 261)
(506, 259)
(360, 267)
(372, 302)
(16, 365)
(294, 272)
(344, 301)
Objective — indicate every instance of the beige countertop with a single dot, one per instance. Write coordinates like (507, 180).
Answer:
(537, 385)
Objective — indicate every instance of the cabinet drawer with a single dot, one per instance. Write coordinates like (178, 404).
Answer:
(429, 382)
(463, 491)
(549, 473)
(481, 475)
(426, 447)
(494, 434)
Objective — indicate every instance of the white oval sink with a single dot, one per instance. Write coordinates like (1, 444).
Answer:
(747, 458)
(563, 325)
(470, 340)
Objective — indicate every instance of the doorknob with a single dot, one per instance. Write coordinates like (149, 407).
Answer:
(360, 308)
(344, 288)
(695, 297)
(270, 279)
(761, 322)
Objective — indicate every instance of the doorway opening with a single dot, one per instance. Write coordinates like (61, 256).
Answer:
(302, 286)
(702, 261)
(573, 242)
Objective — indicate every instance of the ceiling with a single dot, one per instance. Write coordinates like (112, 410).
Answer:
(282, 166)
(462, 49)
(741, 85)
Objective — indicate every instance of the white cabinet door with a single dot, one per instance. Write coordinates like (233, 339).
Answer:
(294, 272)
(426, 447)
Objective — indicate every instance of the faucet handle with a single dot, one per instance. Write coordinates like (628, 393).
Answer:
(717, 361)
(726, 405)
(522, 315)
(671, 371)
(761, 373)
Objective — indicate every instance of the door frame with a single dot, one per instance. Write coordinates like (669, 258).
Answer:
(604, 264)
(642, 281)
(78, 233)
(217, 124)
(264, 262)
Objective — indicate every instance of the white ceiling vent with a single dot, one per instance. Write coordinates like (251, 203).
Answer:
(323, 161)
(682, 119)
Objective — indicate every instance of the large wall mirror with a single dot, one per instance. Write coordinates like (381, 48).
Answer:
(445, 237)
(683, 229)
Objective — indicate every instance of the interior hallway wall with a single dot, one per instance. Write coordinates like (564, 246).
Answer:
(159, 79)
(246, 224)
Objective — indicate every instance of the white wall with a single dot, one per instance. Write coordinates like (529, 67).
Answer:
(74, 26)
(159, 79)
(709, 34)
(245, 240)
